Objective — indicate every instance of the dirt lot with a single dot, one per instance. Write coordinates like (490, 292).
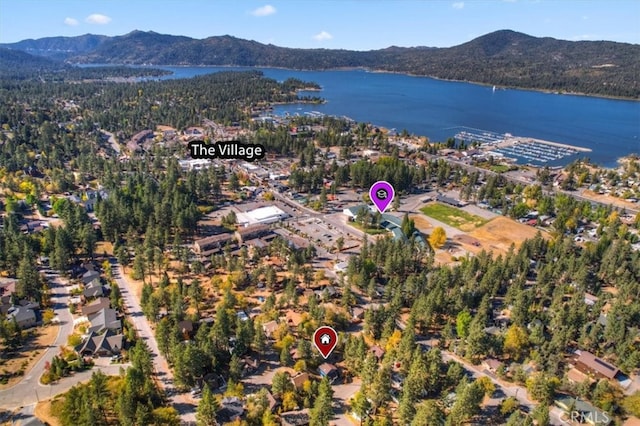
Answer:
(30, 354)
(420, 221)
(618, 202)
(498, 234)
(104, 247)
(43, 413)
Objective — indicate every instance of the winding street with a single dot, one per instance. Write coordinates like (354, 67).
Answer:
(29, 390)
(26, 393)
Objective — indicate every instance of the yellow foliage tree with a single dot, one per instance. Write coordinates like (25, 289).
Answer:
(515, 341)
(394, 340)
(438, 237)
(289, 401)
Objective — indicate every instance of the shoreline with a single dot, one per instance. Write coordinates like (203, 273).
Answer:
(380, 71)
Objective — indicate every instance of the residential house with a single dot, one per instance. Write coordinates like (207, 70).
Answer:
(580, 411)
(89, 276)
(296, 418)
(7, 289)
(137, 140)
(492, 365)
(108, 343)
(95, 306)
(590, 364)
(377, 351)
(93, 289)
(250, 365)
(357, 314)
(293, 318)
(269, 328)
(299, 379)
(341, 267)
(23, 315)
(590, 299)
(273, 403)
(186, 328)
(231, 409)
(329, 371)
(105, 319)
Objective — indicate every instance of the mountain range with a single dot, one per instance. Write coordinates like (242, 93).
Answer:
(504, 58)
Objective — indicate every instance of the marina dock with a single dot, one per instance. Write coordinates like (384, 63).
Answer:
(518, 148)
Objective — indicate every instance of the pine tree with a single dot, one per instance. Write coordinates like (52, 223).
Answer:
(207, 408)
(322, 411)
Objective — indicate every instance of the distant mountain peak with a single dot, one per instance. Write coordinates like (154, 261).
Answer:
(504, 57)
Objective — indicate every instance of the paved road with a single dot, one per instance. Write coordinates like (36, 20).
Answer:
(518, 179)
(180, 402)
(113, 141)
(29, 391)
(512, 389)
(22, 393)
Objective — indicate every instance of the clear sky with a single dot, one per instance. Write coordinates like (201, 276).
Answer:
(348, 24)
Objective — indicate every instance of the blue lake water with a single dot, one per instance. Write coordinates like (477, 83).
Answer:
(439, 109)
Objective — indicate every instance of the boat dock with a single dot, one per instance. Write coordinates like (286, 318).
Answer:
(518, 148)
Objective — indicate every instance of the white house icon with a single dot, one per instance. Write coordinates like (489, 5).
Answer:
(325, 339)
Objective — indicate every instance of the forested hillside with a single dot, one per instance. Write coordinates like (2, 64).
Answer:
(505, 58)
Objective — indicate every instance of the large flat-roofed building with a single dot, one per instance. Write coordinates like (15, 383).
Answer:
(262, 215)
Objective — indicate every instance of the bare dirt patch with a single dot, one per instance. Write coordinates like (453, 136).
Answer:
(603, 198)
(498, 235)
(104, 247)
(29, 355)
(43, 412)
(421, 222)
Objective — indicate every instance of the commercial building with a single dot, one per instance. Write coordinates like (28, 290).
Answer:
(262, 215)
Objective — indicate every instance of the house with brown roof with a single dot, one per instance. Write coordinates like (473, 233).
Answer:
(96, 306)
(296, 418)
(590, 364)
(377, 351)
(210, 245)
(269, 328)
(329, 371)
(186, 328)
(299, 379)
(293, 318)
(252, 231)
(492, 364)
(576, 376)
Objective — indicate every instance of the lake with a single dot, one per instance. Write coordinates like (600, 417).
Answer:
(440, 109)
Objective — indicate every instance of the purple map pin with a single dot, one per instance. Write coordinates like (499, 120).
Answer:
(381, 193)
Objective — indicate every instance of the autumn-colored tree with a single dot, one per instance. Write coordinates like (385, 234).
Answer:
(438, 237)
(515, 341)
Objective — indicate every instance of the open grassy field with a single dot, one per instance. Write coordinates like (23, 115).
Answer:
(453, 216)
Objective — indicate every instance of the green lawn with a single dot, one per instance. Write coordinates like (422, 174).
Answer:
(453, 216)
(500, 168)
(370, 231)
